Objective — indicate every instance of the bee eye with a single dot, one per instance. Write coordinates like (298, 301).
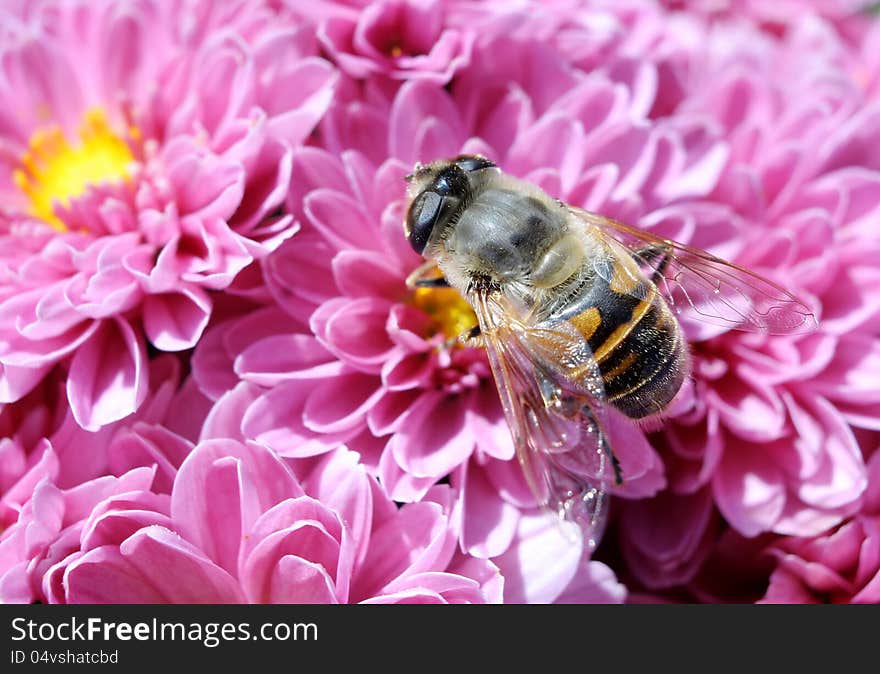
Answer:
(421, 218)
(469, 163)
(451, 181)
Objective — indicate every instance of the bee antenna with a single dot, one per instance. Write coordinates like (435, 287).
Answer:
(418, 168)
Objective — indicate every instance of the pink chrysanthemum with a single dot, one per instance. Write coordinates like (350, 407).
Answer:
(45, 452)
(400, 39)
(847, 16)
(141, 180)
(239, 527)
(772, 432)
(42, 439)
(375, 369)
(137, 177)
(841, 566)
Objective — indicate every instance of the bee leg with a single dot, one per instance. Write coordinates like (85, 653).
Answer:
(425, 276)
(472, 337)
(606, 448)
(649, 254)
(439, 282)
(618, 472)
(615, 464)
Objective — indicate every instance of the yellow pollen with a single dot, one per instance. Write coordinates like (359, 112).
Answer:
(449, 313)
(54, 171)
(396, 51)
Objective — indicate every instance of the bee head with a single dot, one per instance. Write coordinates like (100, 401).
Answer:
(437, 193)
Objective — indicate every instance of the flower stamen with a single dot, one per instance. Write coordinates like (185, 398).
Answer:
(450, 315)
(53, 171)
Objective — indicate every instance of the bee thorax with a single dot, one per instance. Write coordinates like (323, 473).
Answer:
(503, 234)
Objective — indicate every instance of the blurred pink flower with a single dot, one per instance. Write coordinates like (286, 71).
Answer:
(42, 439)
(850, 17)
(51, 468)
(49, 528)
(401, 39)
(666, 539)
(138, 177)
(840, 566)
(239, 527)
(540, 563)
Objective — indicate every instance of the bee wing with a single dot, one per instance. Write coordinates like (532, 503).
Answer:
(552, 394)
(701, 285)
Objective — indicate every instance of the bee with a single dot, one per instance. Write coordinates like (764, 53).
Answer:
(577, 312)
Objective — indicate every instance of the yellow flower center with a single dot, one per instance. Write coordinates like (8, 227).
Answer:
(449, 313)
(55, 171)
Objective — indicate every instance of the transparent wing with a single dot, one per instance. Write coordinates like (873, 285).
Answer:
(552, 394)
(702, 286)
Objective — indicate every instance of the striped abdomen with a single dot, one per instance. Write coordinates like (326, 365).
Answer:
(635, 339)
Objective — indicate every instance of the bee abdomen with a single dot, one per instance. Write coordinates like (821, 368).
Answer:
(639, 348)
(647, 368)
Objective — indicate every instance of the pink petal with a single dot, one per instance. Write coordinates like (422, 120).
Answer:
(117, 518)
(339, 218)
(268, 176)
(341, 483)
(355, 331)
(400, 485)
(488, 522)
(304, 101)
(424, 123)
(277, 419)
(390, 411)
(595, 583)
(221, 489)
(205, 186)
(402, 370)
(175, 321)
(105, 576)
(832, 469)
(409, 596)
(225, 418)
(108, 378)
(508, 479)
(81, 500)
(749, 488)
(541, 562)
(666, 538)
(340, 404)
(641, 466)
(489, 425)
(281, 357)
(137, 572)
(753, 411)
(16, 382)
(301, 528)
(145, 445)
(299, 581)
(46, 466)
(453, 588)
(366, 274)
(436, 438)
(415, 540)
(53, 314)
